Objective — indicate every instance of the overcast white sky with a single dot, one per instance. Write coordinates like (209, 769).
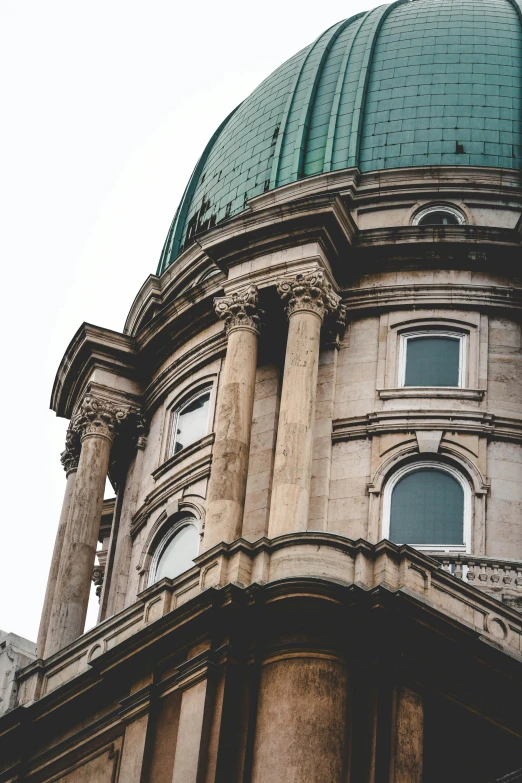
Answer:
(105, 107)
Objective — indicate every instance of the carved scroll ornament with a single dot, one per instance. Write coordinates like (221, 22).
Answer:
(240, 310)
(311, 292)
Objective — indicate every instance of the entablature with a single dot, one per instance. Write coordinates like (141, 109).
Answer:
(94, 355)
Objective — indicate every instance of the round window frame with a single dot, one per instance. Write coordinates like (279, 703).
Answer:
(444, 468)
(171, 533)
(422, 213)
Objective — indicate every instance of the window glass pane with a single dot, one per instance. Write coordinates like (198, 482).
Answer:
(439, 218)
(179, 553)
(427, 507)
(191, 422)
(432, 361)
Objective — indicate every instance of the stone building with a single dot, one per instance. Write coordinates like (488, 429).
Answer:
(312, 570)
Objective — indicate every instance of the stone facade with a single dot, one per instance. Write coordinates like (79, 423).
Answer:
(300, 645)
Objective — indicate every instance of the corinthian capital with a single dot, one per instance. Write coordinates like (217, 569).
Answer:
(71, 454)
(99, 416)
(240, 310)
(309, 292)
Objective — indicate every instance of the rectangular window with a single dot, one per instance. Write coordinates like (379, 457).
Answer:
(432, 359)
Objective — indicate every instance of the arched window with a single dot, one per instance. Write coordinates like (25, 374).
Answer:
(439, 215)
(175, 552)
(427, 505)
(190, 421)
(209, 273)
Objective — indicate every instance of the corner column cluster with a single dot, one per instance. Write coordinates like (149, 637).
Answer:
(86, 459)
(309, 298)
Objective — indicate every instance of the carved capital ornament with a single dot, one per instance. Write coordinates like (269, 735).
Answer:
(240, 310)
(310, 292)
(98, 416)
(71, 454)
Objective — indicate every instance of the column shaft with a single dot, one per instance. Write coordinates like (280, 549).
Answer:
(309, 298)
(55, 563)
(293, 460)
(73, 583)
(228, 477)
(301, 724)
(407, 737)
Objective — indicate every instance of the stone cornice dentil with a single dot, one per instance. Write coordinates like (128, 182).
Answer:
(240, 310)
(309, 292)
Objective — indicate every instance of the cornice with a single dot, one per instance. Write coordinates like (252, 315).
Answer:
(91, 348)
(183, 367)
(469, 422)
(429, 235)
(321, 217)
(448, 295)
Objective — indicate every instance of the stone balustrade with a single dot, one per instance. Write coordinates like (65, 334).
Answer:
(499, 577)
(428, 580)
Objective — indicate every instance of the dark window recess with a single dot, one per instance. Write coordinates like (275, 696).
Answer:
(439, 218)
(432, 361)
(427, 507)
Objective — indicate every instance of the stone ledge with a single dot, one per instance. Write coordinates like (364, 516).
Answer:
(427, 392)
(327, 557)
(178, 458)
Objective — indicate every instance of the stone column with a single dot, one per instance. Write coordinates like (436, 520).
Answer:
(69, 459)
(228, 477)
(115, 589)
(407, 737)
(301, 724)
(309, 297)
(96, 424)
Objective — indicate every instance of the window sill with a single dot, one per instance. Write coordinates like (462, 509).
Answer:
(208, 440)
(437, 392)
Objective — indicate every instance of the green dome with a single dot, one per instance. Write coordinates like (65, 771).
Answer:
(413, 83)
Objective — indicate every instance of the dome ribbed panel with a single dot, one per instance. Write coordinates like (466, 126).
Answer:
(239, 164)
(445, 73)
(301, 107)
(324, 101)
(349, 94)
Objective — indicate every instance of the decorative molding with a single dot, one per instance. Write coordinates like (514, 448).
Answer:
(176, 459)
(103, 413)
(71, 454)
(99, 416)
(186, 366)
(97, 578)
(197, 470)
(435, 392)
(448, 295)
(468, 422)
(240, 310)
(310, 292)
(333, 329)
